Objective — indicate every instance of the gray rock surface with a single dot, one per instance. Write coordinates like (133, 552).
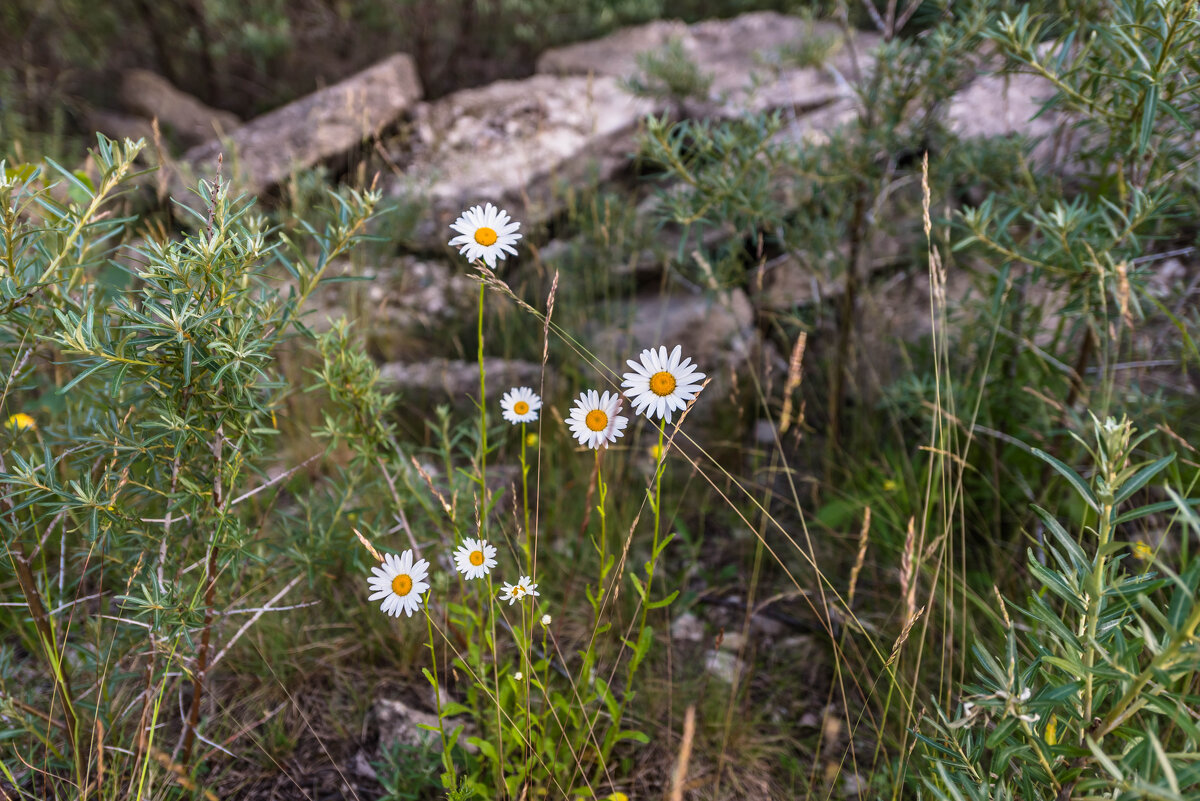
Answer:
(713, 331)
(751, 58)
(326, 123)
(404, 303)
(457, 379)
(1004, 105)
(518, 144)
(181, 116)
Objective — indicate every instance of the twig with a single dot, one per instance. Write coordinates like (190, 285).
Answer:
(257, 614)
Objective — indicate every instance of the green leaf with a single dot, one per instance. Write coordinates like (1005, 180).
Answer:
(1149, 111)
(1152, 508)
(664, 602)
(1184, 596)
(1055, 583)
(1139, 479)
(485, 748)
(1070, 475)
(1078, 557)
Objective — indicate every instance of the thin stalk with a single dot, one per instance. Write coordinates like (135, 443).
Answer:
(483, 515)
(525, 503)
(437, 692)
(1096, 596)
(496, 682)
(656, 508)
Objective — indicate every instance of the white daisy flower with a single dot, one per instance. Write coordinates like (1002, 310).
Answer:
(520, 405)
(660, 384)
(594, 420)
(475, 558)
(511, 593)
(485, 233)
(546, 620)
(400, 583)
(527, 586)
(515, 592)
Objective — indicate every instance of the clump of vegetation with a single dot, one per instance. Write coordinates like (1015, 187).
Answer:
(210, 499)
(670, 74)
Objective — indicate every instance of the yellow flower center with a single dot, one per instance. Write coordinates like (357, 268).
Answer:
(485, 236)
(476, 558)
(596, 420)
(515, 592)
(662, 383)
(521, 407)
(402, 585)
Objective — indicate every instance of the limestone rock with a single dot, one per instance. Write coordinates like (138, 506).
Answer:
(326, 123)
(1004, 105)
(614, 55)
(181, 116)
(406, 303)
(517, 144)
(751, 58)
(458, 379)
(713, 331)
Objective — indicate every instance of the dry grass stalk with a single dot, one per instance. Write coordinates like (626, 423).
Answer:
(367, 544)
(685, 754)
(860, 558)
(793, 383)
(908, 627)
(908, 573)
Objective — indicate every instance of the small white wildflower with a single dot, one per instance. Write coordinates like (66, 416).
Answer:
(400, 583)
(512, 592)
(661, 384)
(594, 420)
(485, 233)
(475, 558)
(545, 620)
(518, 675)
(520, 405)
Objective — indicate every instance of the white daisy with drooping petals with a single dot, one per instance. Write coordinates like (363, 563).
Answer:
(661, 384)
(595, 421)
(511, 593)
(485, 233)
(520, 405)
(475, 558)
(400, 583)
(527, 586)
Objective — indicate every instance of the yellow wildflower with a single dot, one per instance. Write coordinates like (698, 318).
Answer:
(21, 422)
(1143, 551)
(531, 440)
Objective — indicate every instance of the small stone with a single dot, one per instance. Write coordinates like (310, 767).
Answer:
(724, 665)
(687, 627)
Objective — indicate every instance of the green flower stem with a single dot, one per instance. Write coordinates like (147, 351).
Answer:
(602, 490)
(483, 513)
(1095, 591)
(656, 507)
(495, 677)
(437, 694)
(525, 504)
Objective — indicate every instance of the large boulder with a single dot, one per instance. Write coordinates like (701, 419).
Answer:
(181, 117)
(324, 124)
(456, 379)
(758, 61)
(517, 144)
(407, 305)
(1007, 104)
(715, 329)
